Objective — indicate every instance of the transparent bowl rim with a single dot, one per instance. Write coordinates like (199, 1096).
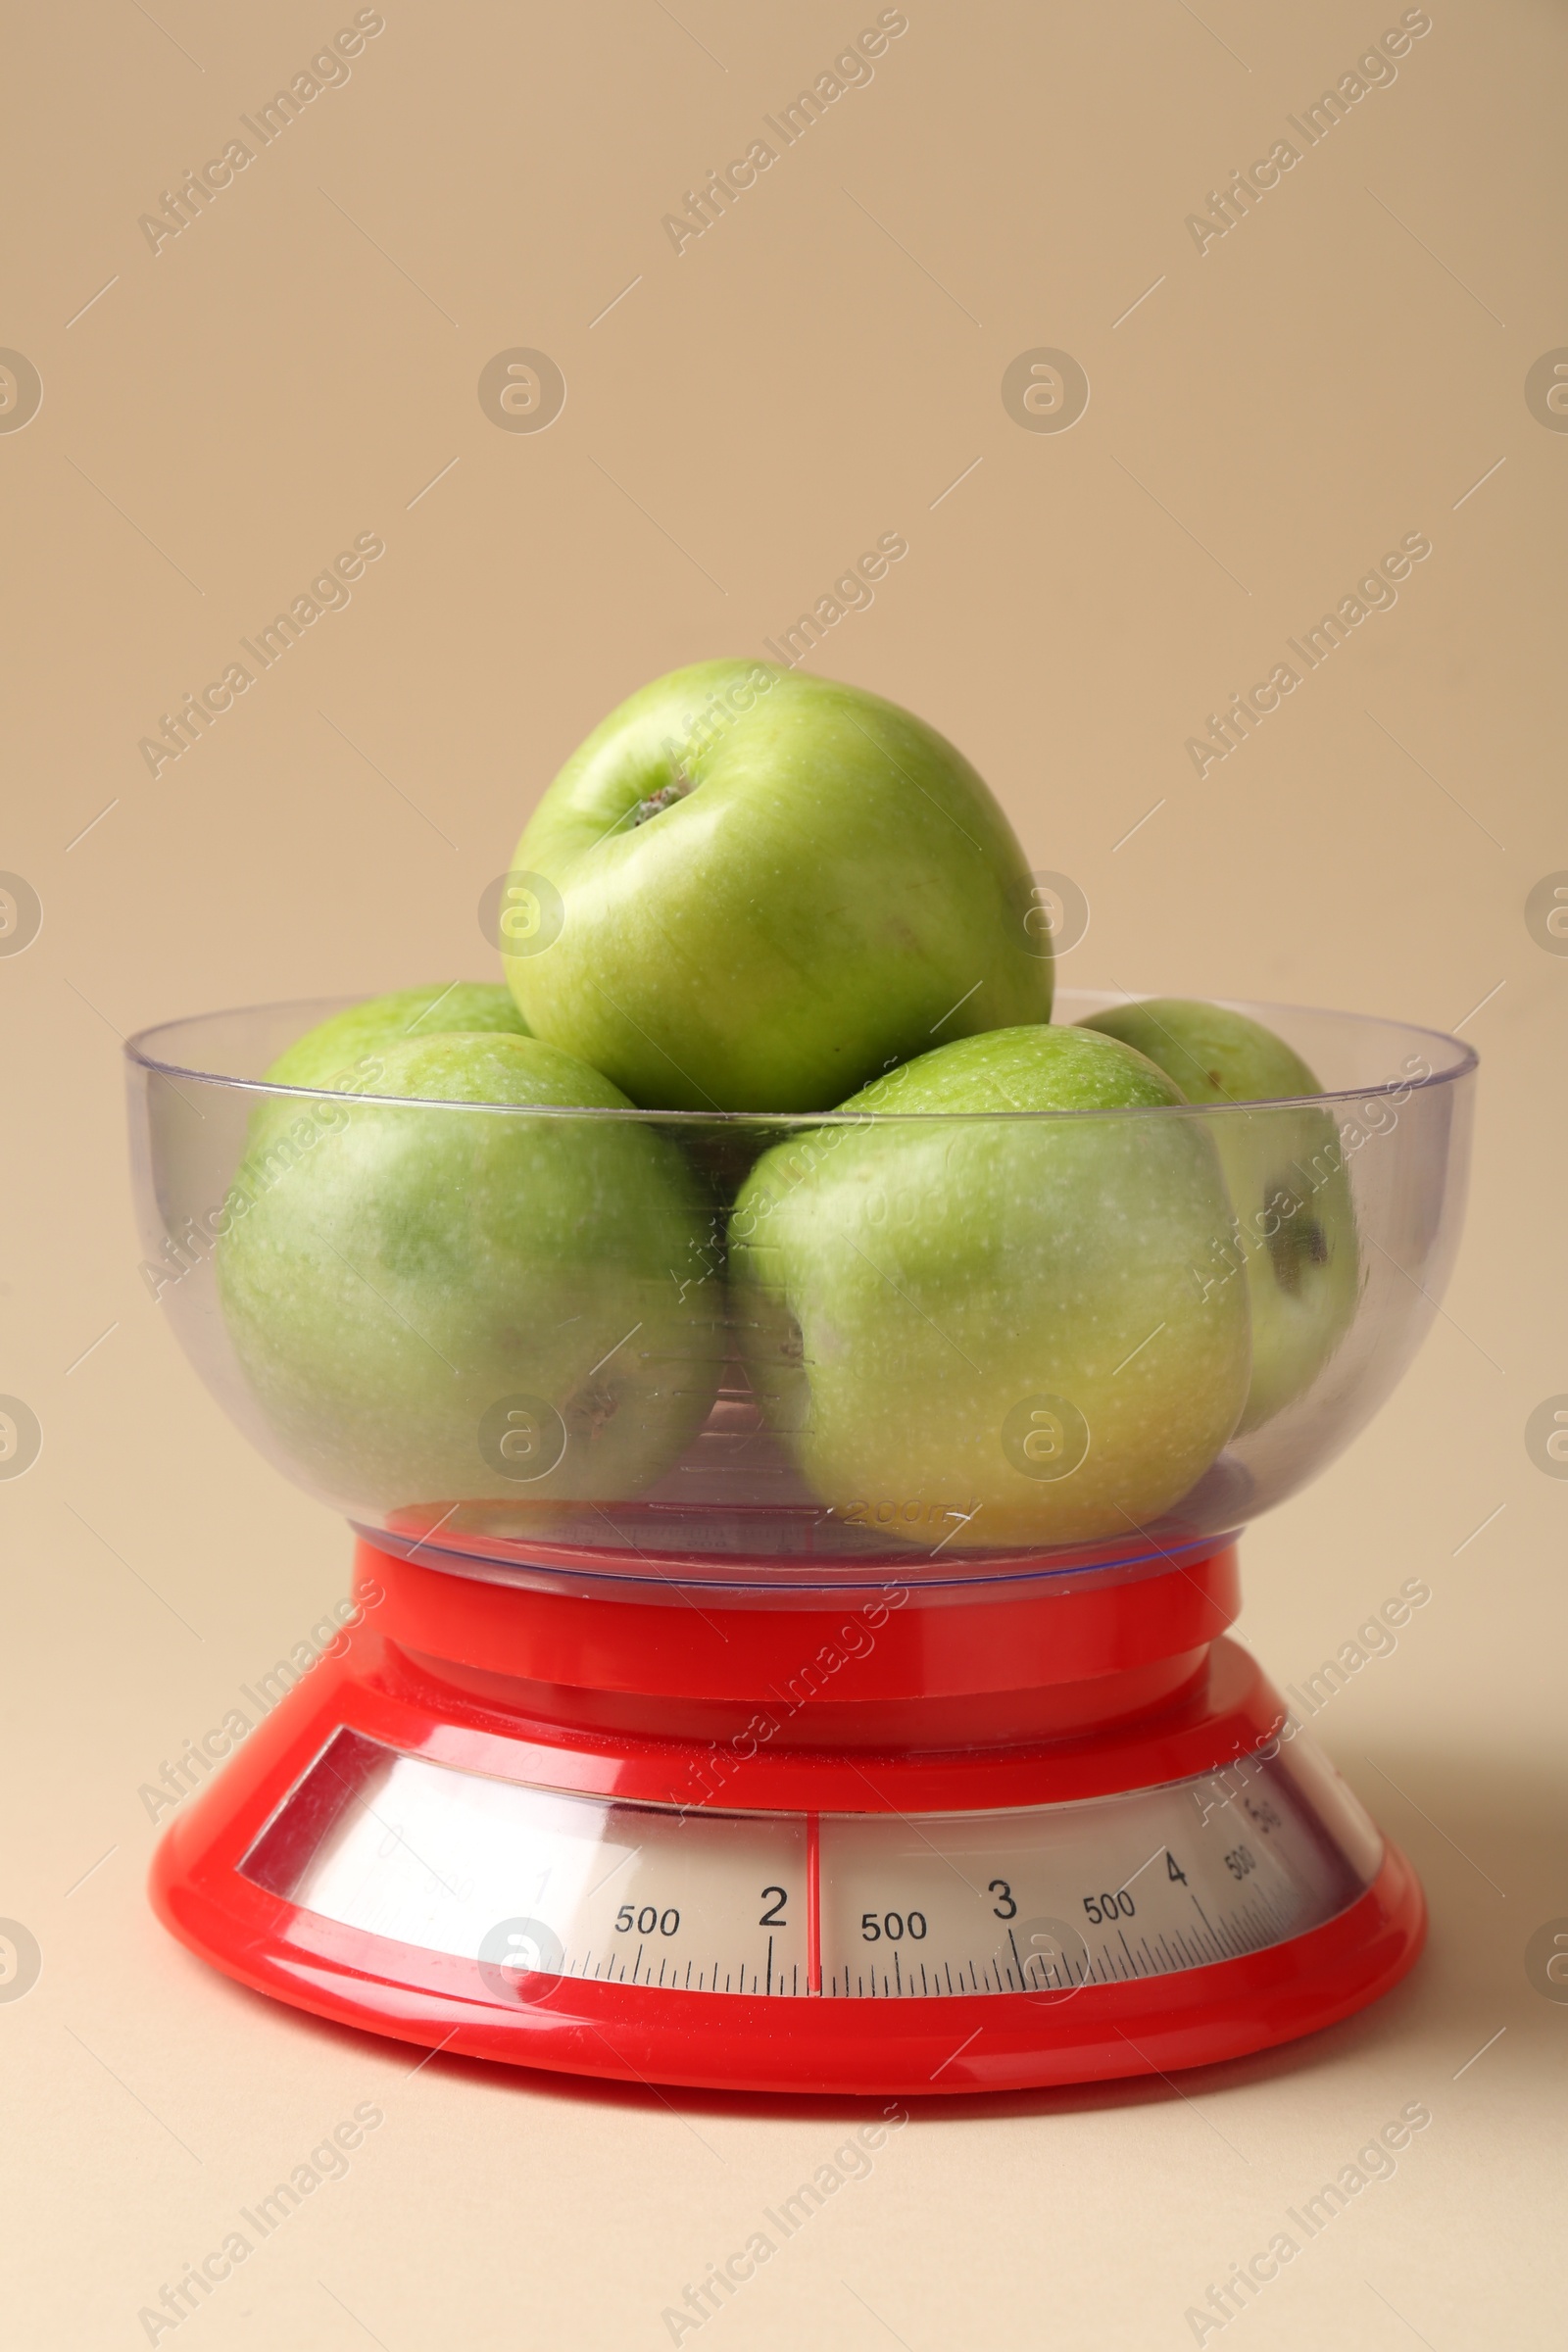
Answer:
(141, 1050)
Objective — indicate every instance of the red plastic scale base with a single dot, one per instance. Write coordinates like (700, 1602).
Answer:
(964, 1699)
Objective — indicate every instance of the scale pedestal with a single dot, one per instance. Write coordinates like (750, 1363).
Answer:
(1021, 1829)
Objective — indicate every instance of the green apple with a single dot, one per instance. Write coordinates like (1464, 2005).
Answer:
(1294, 1222)
(754, 890)
(344, 1053)
(982, 1327)
(340, 1053)
(472, 1294)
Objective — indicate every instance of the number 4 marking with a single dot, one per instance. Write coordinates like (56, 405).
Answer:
(1173, 1869)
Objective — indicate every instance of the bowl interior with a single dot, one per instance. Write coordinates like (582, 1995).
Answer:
(642, 1345)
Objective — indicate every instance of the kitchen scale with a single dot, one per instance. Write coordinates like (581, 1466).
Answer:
(709, 1787)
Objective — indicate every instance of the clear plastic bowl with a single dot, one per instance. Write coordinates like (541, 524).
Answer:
(527, 1342)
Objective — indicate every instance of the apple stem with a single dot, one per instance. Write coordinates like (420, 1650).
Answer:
(679, 785)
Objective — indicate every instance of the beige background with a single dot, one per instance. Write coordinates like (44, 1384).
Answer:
(295, 369)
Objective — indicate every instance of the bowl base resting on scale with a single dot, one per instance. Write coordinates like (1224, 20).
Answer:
(1164, 1878)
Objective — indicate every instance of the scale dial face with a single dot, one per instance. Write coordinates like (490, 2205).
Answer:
(542, 1888)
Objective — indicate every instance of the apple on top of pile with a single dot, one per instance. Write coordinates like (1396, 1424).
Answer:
(753, 892)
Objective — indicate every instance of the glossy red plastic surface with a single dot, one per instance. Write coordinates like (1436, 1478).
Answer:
(899, 1667)
(1218, 1708)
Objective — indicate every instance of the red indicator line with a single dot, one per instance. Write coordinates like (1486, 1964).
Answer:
(813, 1902)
